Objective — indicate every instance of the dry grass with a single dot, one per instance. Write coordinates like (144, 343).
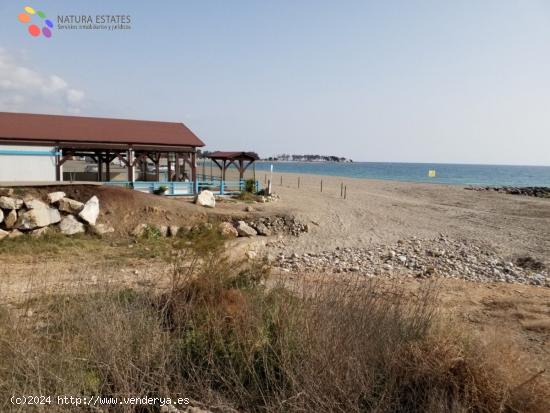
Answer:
(219, 335)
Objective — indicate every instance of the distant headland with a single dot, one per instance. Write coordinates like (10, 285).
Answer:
(306, 158)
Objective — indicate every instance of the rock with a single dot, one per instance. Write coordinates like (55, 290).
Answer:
(139, 230)
(55, 196)
(69, 225)
(33, 203)
(90, 212)
(101, 229)
(163, 229)
(206, 199)
(7, 202)
(251, 254)
(245, 230)
(3, 234)
(2, 215)
(173, 230)
(248, 208)
(70, 205)
(36, 233)
(37, 218)
(262, 229)
(228, 230)
(15, 234)
(10, 219)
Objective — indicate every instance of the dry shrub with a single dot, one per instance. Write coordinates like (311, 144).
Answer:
(222, 335)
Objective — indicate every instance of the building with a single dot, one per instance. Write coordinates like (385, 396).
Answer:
(35, 147)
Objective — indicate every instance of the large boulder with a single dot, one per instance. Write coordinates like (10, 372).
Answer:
(69, 225)
(7, 202)
(3, 234)
(102, 229)
(174, 229)
(10, 219)
(90, 212)
(262, 229)
(1, 215)
(228, 230)
(245, 230)
(33, 203)
(56, 196)
(37, 218)
(69, 205)
(206, 199)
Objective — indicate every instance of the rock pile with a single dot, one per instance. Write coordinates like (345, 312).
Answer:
(34, 216)
(263, 226)
(441, 257)
(536, 191)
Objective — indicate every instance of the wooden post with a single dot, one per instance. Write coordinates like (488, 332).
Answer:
(177, 167)
(130, 158)
(169, 166)
(321, 185)
(341, 189)
(298, 182)
(211, 174)
(99, 167)
(108, 166)
(281, 180)
(157, 166)
(203, 170)
(345, 192)
(58, 173)
(194, 171)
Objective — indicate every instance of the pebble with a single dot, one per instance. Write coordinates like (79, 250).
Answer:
(441, 257)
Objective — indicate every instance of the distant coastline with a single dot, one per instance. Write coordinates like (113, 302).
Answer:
(453, 174)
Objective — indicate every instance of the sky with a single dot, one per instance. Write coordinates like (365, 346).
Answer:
(399, 81)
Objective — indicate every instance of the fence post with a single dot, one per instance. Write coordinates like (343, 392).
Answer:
(345, 192)
(321, 185)
(341, 189)
(281, 180)
(298, 182)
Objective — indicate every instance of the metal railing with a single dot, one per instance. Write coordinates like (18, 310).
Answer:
(172, 188)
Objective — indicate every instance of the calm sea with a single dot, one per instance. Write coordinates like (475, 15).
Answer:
(486, 175)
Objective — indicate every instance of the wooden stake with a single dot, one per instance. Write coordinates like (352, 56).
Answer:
(321, 185)
(341, 189)
(345, 192)
(298, 182)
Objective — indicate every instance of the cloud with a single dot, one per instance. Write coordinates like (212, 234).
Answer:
(26, 90)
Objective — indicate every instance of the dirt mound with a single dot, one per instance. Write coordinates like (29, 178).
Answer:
(125, 208)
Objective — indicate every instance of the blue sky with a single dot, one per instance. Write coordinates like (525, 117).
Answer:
(413, 81)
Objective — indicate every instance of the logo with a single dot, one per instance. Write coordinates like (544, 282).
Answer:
(33, 29)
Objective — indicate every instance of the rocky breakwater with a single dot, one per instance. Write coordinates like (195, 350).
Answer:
(421, 258)
(33, 216)
(535, 191)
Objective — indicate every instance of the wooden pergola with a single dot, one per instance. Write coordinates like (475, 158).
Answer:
(103, 140)
(241, 160)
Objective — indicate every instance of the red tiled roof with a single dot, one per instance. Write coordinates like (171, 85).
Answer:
(33, 127)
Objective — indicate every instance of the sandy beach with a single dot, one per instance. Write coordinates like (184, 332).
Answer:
(378, 212)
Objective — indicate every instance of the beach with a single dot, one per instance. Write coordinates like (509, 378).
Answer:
(381, 212)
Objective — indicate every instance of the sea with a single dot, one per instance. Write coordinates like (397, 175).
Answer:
(455, 174)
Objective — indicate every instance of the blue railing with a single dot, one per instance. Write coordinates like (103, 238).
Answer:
(215, 185)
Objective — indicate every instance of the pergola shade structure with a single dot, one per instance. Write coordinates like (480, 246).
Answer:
(133, 142)
(241, 160)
